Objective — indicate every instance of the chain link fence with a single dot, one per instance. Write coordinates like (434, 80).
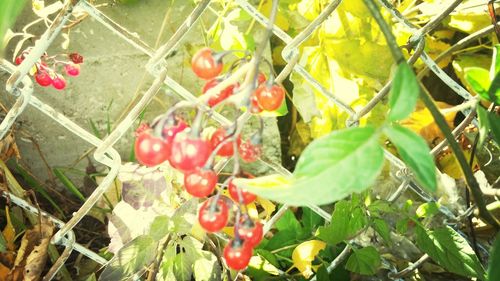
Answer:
(20, 86)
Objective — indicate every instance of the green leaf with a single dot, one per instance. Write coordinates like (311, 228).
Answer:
(190, 251)
(364, 261)
(382, 228)
(160, 227)
(404, 93)
(494, 90)
(427, 209)
(378, 207)
(9, 10)
(479, 80)
(288, 222)
(402, 225)
(450, 250)
(346, 221)
(322, 274)
(493, 268)
(70, 186)
(133, 258)
(330, 168)
(415, 153)
(206, 268)
(494, 122)
(310, 220)
(185, 216)
(484, 124)
(495, 63)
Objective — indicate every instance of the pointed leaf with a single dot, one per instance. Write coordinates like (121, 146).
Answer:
(133, 258)
(330, 168)
(493, 268)
(404, 93)
(450, 250)
(415, 153)
(494, 90)
(382, 228)
(347, 220)
(479, 80)
(364, 261)
(494, 122)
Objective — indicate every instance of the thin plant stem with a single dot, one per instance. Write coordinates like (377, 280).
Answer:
(439, 119)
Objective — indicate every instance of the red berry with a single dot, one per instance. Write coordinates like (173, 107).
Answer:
(59, 82)
(76, 58)
(251, 232)
(201, 182)
(19, 59)
(205, 65)
(150, 150)
(43, 78)
(72, 69)
(213, 220)
(249, 152)
(218, 97)
(237, 254)
(227, 148)
(189, 153)
(270, 98)
(261, 78)
(233, 192)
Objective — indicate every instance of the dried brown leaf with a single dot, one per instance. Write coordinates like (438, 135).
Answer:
(32, 254)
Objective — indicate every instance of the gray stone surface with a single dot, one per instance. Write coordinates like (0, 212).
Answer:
(112, 73)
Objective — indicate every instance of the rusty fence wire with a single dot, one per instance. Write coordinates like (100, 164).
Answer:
(20, 86)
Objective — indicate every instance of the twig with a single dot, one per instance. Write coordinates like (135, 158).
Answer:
(410, 268)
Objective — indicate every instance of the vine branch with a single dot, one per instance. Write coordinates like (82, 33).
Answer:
(438, 118)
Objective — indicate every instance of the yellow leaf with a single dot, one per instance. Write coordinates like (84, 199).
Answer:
(281, 21)
(262, 264)
(422, 123)
(304, 254)
(448, 164)
(9, 232)
(355, 7)
(268, 207)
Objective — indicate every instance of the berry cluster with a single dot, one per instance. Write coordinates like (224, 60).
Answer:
(171, 139)
(47, 68)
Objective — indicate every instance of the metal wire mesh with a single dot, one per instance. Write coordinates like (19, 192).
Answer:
(20, 85)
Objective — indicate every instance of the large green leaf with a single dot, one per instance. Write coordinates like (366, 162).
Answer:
(9, 10)
(479, 80)
(347, 220)
(382, 228)
(494, 90)
(450, 250)
(133, 258)
(160, 227)
(494, 268)
(330, 168)
(495, 63)
(404, 93)
(206, 268)
(494, 122)
(190, 251)
(415, 153)
(364, 261)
